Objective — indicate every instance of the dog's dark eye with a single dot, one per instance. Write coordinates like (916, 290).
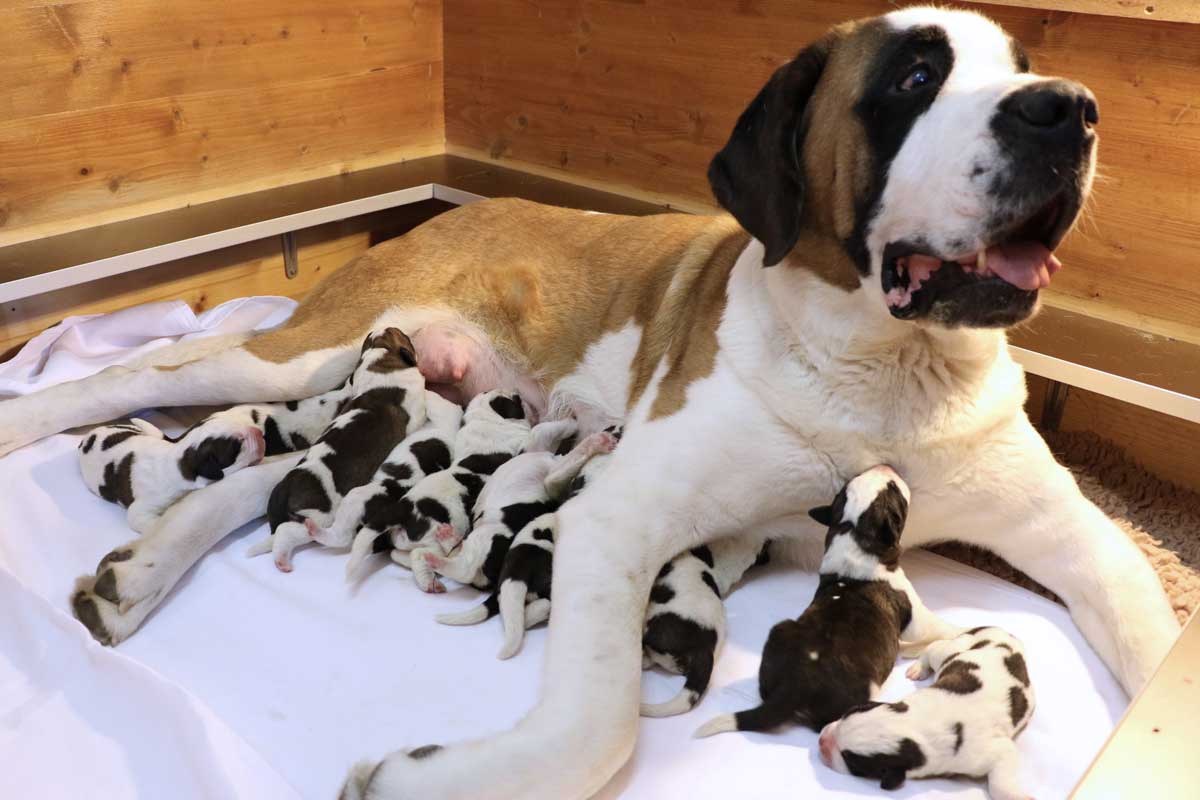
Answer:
(918, 76)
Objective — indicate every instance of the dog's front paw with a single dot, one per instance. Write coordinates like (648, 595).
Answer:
(915, 672)
(125, 589)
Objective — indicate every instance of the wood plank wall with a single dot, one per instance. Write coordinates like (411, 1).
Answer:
(639, 95)
(113, 108)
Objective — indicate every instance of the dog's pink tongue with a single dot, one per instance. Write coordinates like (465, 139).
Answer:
(1026, 265)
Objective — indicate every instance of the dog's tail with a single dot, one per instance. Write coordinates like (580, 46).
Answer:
(763, 718)
(698, 672)
(473, 616)
(512, 615)
(367, 542)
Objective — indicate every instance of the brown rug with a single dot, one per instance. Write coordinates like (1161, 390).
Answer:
(1162, 518)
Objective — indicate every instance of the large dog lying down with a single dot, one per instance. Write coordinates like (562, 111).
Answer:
(895, 194)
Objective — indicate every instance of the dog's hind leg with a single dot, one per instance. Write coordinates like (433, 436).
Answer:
(283, 364)
(132, 580)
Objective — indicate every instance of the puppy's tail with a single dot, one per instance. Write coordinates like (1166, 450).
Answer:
(512, 614)
(366, 543)
(698, 673)
(763, 718)
(360, 775)
(473, 616)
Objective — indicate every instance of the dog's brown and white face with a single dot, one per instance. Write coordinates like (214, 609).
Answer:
(922, 145)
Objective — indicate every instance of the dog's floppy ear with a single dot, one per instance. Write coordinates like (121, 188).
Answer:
(758, 176)
(822, 514)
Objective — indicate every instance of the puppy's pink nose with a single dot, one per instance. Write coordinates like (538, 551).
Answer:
(826, 747)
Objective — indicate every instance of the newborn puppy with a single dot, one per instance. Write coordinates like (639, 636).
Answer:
(839, 652)
(388, 396)
(963, 724)
(138, 467)
(289, 426)
(685, 621)
(523, 597)
(494, 430)
(515, 494)
(369, 511)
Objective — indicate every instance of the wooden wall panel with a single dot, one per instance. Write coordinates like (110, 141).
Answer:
(639, 95)
(207, 280)
(120, 107)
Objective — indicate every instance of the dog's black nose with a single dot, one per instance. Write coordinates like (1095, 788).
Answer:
(1052, 108)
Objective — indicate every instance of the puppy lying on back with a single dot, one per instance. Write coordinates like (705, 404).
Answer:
(963, 724)
(685, 621)
(515, 494)
(387, 397)
(368, 512)
(495, 428)
(138, 467)
(839, 652)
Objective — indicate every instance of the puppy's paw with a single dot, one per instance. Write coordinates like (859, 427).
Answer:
(446, 537)
(915, 672)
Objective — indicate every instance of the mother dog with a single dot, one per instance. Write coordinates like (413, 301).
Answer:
(895, 196)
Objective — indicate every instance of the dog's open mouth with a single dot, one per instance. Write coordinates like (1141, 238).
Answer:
(1020, 258)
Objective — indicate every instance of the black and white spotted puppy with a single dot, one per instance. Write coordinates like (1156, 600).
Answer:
(838, 653)
(289, 426)
(369, 512)
(522, 598)
(437, 510)
(526, 486)
(964, 723)
(137, 466)
(387, 397)
(685, 620)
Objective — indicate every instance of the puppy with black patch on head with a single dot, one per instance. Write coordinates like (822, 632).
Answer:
(515, 494)
(685, 621)
(965, 723)
(137, 466)
(288, 426)
(368, 512)
(438, 508)
(839, 652)
(388, 397)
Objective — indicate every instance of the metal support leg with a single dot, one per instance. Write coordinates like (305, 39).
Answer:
(291, 259)
(1053, 405)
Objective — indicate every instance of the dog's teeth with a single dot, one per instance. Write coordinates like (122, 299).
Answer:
(981, 260)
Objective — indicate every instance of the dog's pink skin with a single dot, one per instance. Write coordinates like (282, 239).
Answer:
(283, 565)
(447, 536)
(256, 442)
(458, 367)
(826, 745)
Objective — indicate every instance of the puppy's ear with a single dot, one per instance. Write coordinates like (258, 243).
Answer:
(758, 176)
(892, 778)
(208, 467)
(822, 514)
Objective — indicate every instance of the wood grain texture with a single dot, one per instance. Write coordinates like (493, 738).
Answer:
(79, 55)
(117, 112)
(1161, 10)
(638, 97)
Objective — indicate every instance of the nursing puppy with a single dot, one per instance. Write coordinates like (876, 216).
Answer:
(963, 724)
(137, 466)
(515, 494)
(388, 396)
(368, 512)
(839, 652)
(685, 621)
(288, 426)
(495, 428)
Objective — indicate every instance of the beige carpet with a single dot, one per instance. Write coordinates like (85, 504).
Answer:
(1163, 519)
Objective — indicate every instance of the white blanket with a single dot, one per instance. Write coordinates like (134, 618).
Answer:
(251, 683)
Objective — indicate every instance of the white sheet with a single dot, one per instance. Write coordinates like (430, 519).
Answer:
(251, 683)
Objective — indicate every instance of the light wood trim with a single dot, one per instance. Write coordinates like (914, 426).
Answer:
(1152, 753)
(1161, 10)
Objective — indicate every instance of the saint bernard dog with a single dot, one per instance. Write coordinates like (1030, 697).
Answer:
(895, 195)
